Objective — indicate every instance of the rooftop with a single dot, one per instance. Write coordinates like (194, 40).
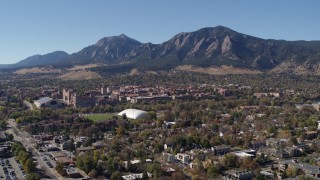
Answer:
(43, 100)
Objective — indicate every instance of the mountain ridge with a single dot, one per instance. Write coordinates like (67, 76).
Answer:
(209, 46)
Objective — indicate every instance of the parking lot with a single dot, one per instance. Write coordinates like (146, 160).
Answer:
(48, 160)
(11, 169)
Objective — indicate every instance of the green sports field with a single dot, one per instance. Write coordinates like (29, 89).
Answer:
(100, 117)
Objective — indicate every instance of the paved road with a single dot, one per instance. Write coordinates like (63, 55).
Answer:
(28, 142)
(28, 145)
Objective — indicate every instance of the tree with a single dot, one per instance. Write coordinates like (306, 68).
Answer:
(116, 145)
(144, 175)
(230, 161)
(112, 164)
(249, 164)
(293, 140)
(33, 176)
(152, 115)
(29, 166)
(124, 116)
(177, 176)
(261, 159)
(60, 170)
(260, 177)
(70, 146)
(155, 169)
(96, 156)
(306, 178)
(93, 173)
(23, 156)
(120, 131)
(3, 124)
(10, 137)
(85, 162)
(116, 176)
(212, 172)
(292, 172)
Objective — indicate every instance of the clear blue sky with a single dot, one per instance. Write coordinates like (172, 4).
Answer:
(29, 27)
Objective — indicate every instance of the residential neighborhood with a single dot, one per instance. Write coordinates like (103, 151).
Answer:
(140, 132)
(159, 90)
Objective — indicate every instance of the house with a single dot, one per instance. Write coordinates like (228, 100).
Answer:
(98, 145)
(64, 160)
(126, 163)
(260, 95)
(281, 153)
(3, 136)
(169, 170)
(222, 149)
(257, 144)
(223, 92)
(303, 148)
(224, 117)
(168, 125)
(73, 173)
(83, 149)
(267, 174)
(146, 99)
(246, 153)
(183, 158)
(66, 145)
(55, 155)
(238, 175)
(316, 106)
(170, 158)
(267, 151)
(311, 134)
(272, 142)
(275, 94)
(309, 170)
(52, 147)
(293, 151)
(61, 157)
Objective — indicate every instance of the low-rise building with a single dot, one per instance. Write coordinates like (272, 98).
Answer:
(222, 149)
(257, 144)
(135, 176)
(183, 158)
(245, 153)
(238, 175)
(308, 169)
(83, 149)
(73, 173)
(98, 145)
(48, 102)
(170, 158)
(311, 134)
(293, 151)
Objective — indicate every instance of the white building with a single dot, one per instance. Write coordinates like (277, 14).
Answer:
(135, 176)
(134, 113)
(42, 102)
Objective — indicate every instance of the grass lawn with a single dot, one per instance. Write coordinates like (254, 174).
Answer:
(100, 117)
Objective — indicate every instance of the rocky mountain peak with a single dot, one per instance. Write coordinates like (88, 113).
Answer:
(210, 46)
